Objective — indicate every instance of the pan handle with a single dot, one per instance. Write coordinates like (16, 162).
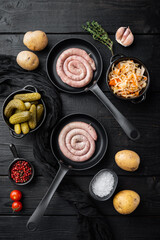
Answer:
(127, 127)
(116, 56)
(13, 150)
(33, 88)
(139, 100)
(35, 219)
(17, 136)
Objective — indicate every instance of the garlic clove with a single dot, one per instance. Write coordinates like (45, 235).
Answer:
(119, 33)
(124, 36)
(129, 40)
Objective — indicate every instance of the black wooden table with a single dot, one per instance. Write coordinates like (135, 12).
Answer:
(63, 19)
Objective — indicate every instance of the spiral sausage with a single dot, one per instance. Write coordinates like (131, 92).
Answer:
(75, 67)
(77, 141)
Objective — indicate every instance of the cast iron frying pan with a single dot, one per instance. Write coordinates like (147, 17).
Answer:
(55, 52)
(66, 164)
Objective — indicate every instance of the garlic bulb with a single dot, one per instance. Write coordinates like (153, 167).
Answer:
(124, 36)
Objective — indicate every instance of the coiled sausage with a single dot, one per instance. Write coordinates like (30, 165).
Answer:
(75, 67)
(77, 141)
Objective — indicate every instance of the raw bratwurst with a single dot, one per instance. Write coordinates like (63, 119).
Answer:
(77, 141)
(75, 67)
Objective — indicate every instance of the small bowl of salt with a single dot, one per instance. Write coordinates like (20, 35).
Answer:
(103, 184)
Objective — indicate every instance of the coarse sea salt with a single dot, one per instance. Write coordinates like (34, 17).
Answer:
(103, 184)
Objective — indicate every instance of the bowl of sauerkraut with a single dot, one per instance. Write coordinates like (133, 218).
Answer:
(128, 78)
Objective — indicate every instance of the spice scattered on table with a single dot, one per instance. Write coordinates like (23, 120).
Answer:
(103, 184)
(21, 171)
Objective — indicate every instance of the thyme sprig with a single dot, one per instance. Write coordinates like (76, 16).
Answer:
(99, 34)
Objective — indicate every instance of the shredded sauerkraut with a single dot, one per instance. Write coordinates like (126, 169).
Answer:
(127, 79)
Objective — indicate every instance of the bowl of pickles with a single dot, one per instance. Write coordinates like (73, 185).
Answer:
(24, 111)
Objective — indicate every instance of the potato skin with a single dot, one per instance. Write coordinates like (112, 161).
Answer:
(126, 201)
(35, 41)
(127, 160)
(27, 60)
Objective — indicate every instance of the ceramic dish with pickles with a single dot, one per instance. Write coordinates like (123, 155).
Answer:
(24, 111)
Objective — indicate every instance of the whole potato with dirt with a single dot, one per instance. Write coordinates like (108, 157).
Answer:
(27, 60)
(126, 201)
(35, 41)
(127, 160)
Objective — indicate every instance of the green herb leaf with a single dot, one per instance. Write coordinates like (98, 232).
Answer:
(99, 34)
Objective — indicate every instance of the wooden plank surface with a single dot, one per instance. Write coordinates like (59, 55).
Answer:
(145, 119)
(144, 47)
(147, 187)
(143, 116)
(54, 227)
(63, 19)
(64, 228)
(68, 16)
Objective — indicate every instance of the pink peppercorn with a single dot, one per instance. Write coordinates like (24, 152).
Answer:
(21, 171)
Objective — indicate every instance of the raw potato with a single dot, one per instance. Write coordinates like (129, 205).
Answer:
(126, 201)
(35, 41)
(127, 160)
(27, 60)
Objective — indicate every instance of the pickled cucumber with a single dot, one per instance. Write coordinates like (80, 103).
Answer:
(17, 111)
(25, 127)
(20, 117)
(27, 105)
(17, 128)
(33, 120)
(34, 102)
(40, 110)
(14, 104)
(28, 97)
